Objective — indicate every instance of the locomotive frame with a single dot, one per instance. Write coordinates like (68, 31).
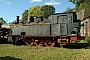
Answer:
(60, 29)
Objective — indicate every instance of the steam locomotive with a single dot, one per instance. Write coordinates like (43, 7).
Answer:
(59, 29)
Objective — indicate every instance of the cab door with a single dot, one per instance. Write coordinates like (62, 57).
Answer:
(64, 29)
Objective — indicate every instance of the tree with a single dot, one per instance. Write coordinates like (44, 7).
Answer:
(41, 11)
(2, 21)
(82, 8)
(81, 4)
(35, 11)
(48, 10)
(69, 10)
(25, 15)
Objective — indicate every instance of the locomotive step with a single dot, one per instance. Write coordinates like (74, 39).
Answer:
(62, 44)
(63, 36)
(63, 39)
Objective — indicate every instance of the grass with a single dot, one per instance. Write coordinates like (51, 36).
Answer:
(13, 52)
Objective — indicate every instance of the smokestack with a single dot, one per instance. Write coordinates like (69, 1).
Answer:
(0, 26)
(41, 18)
(17, 19)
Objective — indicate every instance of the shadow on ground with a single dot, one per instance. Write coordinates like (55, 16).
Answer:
(9, 58)
(77, 45)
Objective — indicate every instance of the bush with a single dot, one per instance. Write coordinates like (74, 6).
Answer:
(88, 39)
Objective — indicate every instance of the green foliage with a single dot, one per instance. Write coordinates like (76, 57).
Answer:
(35, 11)
(87, 38)
(48, 10)
(41, 11)
(2, 21)
(69, 10)
(81, 4)
(25, 15)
